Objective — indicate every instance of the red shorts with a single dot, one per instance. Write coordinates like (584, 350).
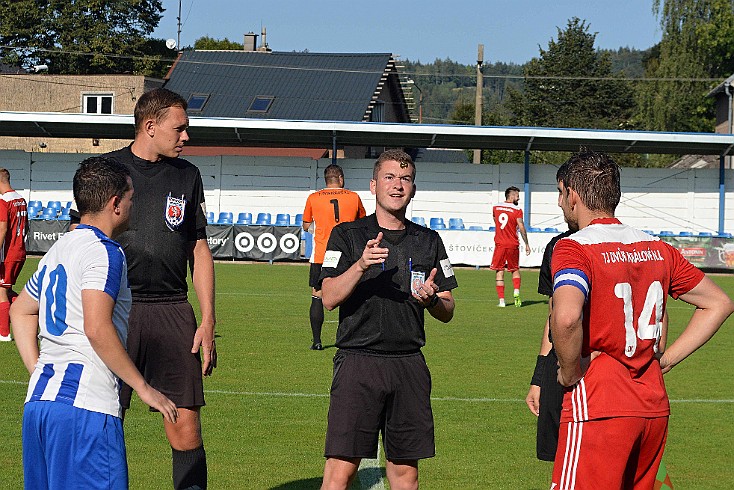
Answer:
(9, 272)
(506, 258)
(616, 453)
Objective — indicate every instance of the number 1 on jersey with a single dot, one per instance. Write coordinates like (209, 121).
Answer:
(335, 202)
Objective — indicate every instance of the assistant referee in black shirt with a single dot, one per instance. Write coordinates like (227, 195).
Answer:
(384, 272)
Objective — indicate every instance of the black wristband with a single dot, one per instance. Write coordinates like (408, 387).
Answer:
(434, 301)
(538, 373)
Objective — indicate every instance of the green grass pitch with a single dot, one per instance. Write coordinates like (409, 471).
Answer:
(265, 418)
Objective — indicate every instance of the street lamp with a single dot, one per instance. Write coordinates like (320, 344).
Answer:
(412, 83)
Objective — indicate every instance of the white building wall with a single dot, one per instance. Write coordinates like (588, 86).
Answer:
(652, 199)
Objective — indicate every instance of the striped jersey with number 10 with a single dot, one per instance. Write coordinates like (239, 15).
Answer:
(625, 276)
(68, 370)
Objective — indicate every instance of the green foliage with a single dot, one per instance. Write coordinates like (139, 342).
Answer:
(572, 85)
(225, 44)
(697, 43)
(267, 401)
(82, 36)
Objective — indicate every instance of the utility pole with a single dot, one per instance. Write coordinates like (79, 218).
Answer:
(478, 102)
(178, 30)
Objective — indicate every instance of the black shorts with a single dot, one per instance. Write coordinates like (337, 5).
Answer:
(159, 340)
(313, 276)
(372, 393)
(551, 401)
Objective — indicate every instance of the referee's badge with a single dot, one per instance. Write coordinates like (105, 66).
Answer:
(174, 211)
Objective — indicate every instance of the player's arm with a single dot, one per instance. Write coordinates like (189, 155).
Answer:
(99, 329)
(523, 234)
(307, 215)
(202, 276)
(713, 307)
(566, 328)
(533, 398)
(336, 290)
(24, 317)
(3, 231)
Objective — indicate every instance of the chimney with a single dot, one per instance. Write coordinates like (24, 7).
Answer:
(264, 45)
(250, 41)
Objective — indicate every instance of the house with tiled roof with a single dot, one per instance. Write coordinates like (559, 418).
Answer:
(358, 87)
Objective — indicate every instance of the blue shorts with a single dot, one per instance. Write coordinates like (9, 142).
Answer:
(67, 447)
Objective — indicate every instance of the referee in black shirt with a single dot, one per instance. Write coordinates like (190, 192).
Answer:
(384, 272)
(167, 234)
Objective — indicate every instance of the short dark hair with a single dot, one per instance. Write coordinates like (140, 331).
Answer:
(510, 189)
(395, 155)
(332, 173)
(594, 177)
(97, 180)
(155, 104)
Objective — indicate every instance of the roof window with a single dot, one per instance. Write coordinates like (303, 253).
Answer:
(261, 103)
(197, 102)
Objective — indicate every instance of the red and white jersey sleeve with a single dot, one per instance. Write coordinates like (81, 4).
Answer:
(505, 216)
(625, 276)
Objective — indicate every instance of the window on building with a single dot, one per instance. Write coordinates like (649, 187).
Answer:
(261, 103)
(378, 112)
(97, 103)
(197, 102)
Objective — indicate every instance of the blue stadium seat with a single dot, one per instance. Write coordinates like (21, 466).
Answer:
(551, 230)
(685, 233)
(35, 204)
(65, 216)
(55, 205)
(476, 228)
(210, 217)
(534, 229)
(282, 219)
(666, 233)
(725, 235)
(224, 220)
(418, 220)
(437, 224)
(649, 232)
(299, 219)
(705, 233)
(491, 228)
(225, 216)
(33, 211)
(68, 205)
(263, 219)
(456, 224)
(244, 219)
(49, 213)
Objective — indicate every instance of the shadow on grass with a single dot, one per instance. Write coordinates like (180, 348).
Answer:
(366, 478)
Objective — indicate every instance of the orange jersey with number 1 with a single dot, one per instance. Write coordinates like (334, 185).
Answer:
(327, 208)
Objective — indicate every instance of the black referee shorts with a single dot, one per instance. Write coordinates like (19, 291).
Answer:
(313, 276)
(159, 340)
(372, 393)
(551, 401)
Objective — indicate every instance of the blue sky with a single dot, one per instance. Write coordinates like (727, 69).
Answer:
(511, 30)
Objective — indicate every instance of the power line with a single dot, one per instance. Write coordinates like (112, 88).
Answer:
(373, 72)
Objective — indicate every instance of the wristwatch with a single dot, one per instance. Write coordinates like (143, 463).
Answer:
(434, 301)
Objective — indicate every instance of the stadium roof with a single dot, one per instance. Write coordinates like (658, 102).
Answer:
(319, 134)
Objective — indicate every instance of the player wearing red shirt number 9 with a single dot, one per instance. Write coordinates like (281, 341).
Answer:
(507, 222)
(610, 285)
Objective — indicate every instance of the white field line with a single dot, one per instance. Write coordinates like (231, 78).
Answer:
(370, 472)
(276, 394)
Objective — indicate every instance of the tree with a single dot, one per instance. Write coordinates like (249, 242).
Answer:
(81, 36)
(571, 84)
(697, 44)
(225, 44)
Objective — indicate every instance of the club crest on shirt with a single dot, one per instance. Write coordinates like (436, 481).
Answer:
(175, 211)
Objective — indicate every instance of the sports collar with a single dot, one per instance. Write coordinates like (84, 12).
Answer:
(605, 221)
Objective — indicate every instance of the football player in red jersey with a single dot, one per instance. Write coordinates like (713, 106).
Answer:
(610, 287)
(507, 221)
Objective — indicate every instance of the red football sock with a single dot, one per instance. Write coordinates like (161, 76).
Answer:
(516, 282)
(500, 291)
(5, 318)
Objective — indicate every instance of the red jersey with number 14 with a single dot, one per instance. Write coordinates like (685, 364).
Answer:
(326, 208)
(626, 276)
(505, 216)
(14, 211)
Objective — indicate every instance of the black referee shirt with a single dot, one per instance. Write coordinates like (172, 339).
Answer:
(545, 281)
(167, 217)
(381, 314)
